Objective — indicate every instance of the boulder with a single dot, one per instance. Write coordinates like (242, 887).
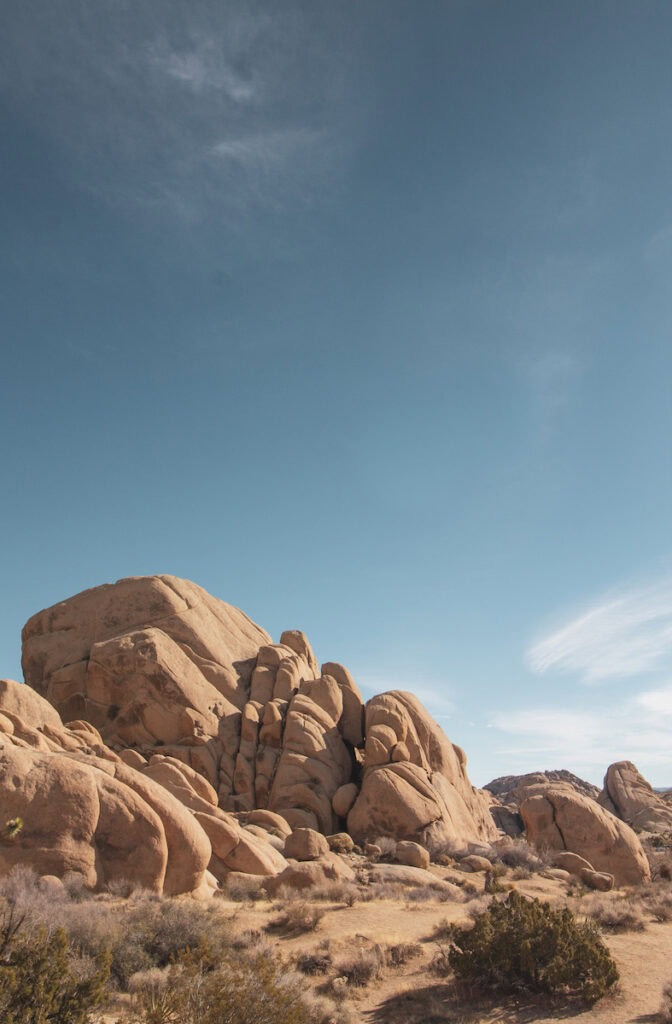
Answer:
(572, 863)
(475, 863)
(400, 874)
(133, 758)
(427, 798)
(254, 857)
(305, 844)
(629, 796)
(340, 842)
(411, 854)
(559, 874)
(272, 822)
(601, 880)
(558, 819)
(306, 874)
(78, 819)
(344, 798)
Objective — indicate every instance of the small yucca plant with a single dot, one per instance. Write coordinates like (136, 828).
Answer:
(13, 827)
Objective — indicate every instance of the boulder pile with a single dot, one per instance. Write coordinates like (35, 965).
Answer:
(195, 747)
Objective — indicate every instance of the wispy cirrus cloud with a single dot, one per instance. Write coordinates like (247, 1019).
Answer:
(205, 112)
(623, 634)
(637, 729)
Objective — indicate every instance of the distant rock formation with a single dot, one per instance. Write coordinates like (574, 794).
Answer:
(195, 745)
(507, 787)
(631, 798)
(510, 790)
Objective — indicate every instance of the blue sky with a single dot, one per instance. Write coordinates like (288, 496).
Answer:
(357, 314)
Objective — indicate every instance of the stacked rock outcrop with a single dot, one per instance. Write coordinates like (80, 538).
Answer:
(414, 783)
(195, 745)
(629, 796)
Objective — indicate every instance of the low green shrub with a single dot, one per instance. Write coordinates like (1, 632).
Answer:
(521, 943)
(37, 982)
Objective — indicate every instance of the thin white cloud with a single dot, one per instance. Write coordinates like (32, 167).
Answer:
(435, 696)
(192, 110)
(659, 702)
(203, 66)
(266, 150)
(636, 729)
(622, 635)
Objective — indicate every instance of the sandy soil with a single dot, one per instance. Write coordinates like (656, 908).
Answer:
(413, 994)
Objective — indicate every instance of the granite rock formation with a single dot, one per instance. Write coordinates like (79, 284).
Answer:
(631, 798)
(195, 745)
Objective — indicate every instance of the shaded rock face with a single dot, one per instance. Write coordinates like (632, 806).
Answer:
(629, 796)
(556, 818)
(508, 788)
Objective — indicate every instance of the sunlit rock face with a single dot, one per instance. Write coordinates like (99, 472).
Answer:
(159, 666)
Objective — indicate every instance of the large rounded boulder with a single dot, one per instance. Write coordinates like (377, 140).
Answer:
(557, 818)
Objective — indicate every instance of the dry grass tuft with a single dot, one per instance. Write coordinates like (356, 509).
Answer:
(297, 918)
(402, 953)
(314, 963)
(613, 915)
(361, 968)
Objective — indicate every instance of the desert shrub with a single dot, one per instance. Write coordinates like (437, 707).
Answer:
(297, 918)
(37, 981)
(520, 943)
(660, 906)
(520, 873)
(520, 855)
(660, 862)
(144, 934)
(202, 988)
(386, 845)
(402, 953)
(313, 963)
(665, 1014)
(241, 889)
(382, 891)
(614, 915)
(361, 967)
(428, 894)
(333, 892)
(475, 907)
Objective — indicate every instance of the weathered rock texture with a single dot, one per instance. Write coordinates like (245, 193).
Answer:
(557, 818)
(161, 667)
(414, 784)
(629, 796)
(196, 745)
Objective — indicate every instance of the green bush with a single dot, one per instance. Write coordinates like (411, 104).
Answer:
(521, 943)
(37, 983)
